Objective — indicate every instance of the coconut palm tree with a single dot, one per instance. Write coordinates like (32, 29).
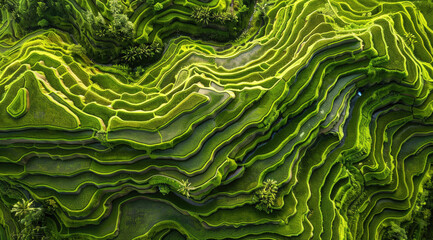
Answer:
(202, 15)
(185, 187)
(23, 208)
(410, 39)
(270, 185)
(130, 54)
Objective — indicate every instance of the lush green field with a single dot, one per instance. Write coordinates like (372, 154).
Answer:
(217, 119)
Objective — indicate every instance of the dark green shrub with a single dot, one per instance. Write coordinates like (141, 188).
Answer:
(164, 189)
(43, 23)
(395, 232)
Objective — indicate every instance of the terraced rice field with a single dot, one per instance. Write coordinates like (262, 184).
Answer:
(330, 102)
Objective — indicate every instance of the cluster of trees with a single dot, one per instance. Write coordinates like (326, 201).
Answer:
(419, 226)
(119, 28)
(116, 25)
(31, 14)
(32, 220)
(30, 217)
(222, 25)
(395, 232)
(265, 197)
(422, 220)
(205, 15)
(138, 54)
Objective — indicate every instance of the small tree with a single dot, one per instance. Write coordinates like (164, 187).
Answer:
(43, 23)
(158, 7)
(115, 6)
(265, 197)
(121, 27)
(51, 205)
(395, 232)
(164, 189)
(262, 8)
(410, 39)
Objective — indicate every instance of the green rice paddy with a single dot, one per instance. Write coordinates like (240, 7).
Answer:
(220, 119)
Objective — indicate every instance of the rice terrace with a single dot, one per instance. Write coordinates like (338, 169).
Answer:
(216, 119)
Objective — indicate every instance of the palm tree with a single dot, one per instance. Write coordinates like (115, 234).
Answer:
(156, 47)
(23, 208)
(410, 39)
(185, 187)
(202, 15)
(262, 8)
(146, 51)
(129, 55)
(270, 186)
